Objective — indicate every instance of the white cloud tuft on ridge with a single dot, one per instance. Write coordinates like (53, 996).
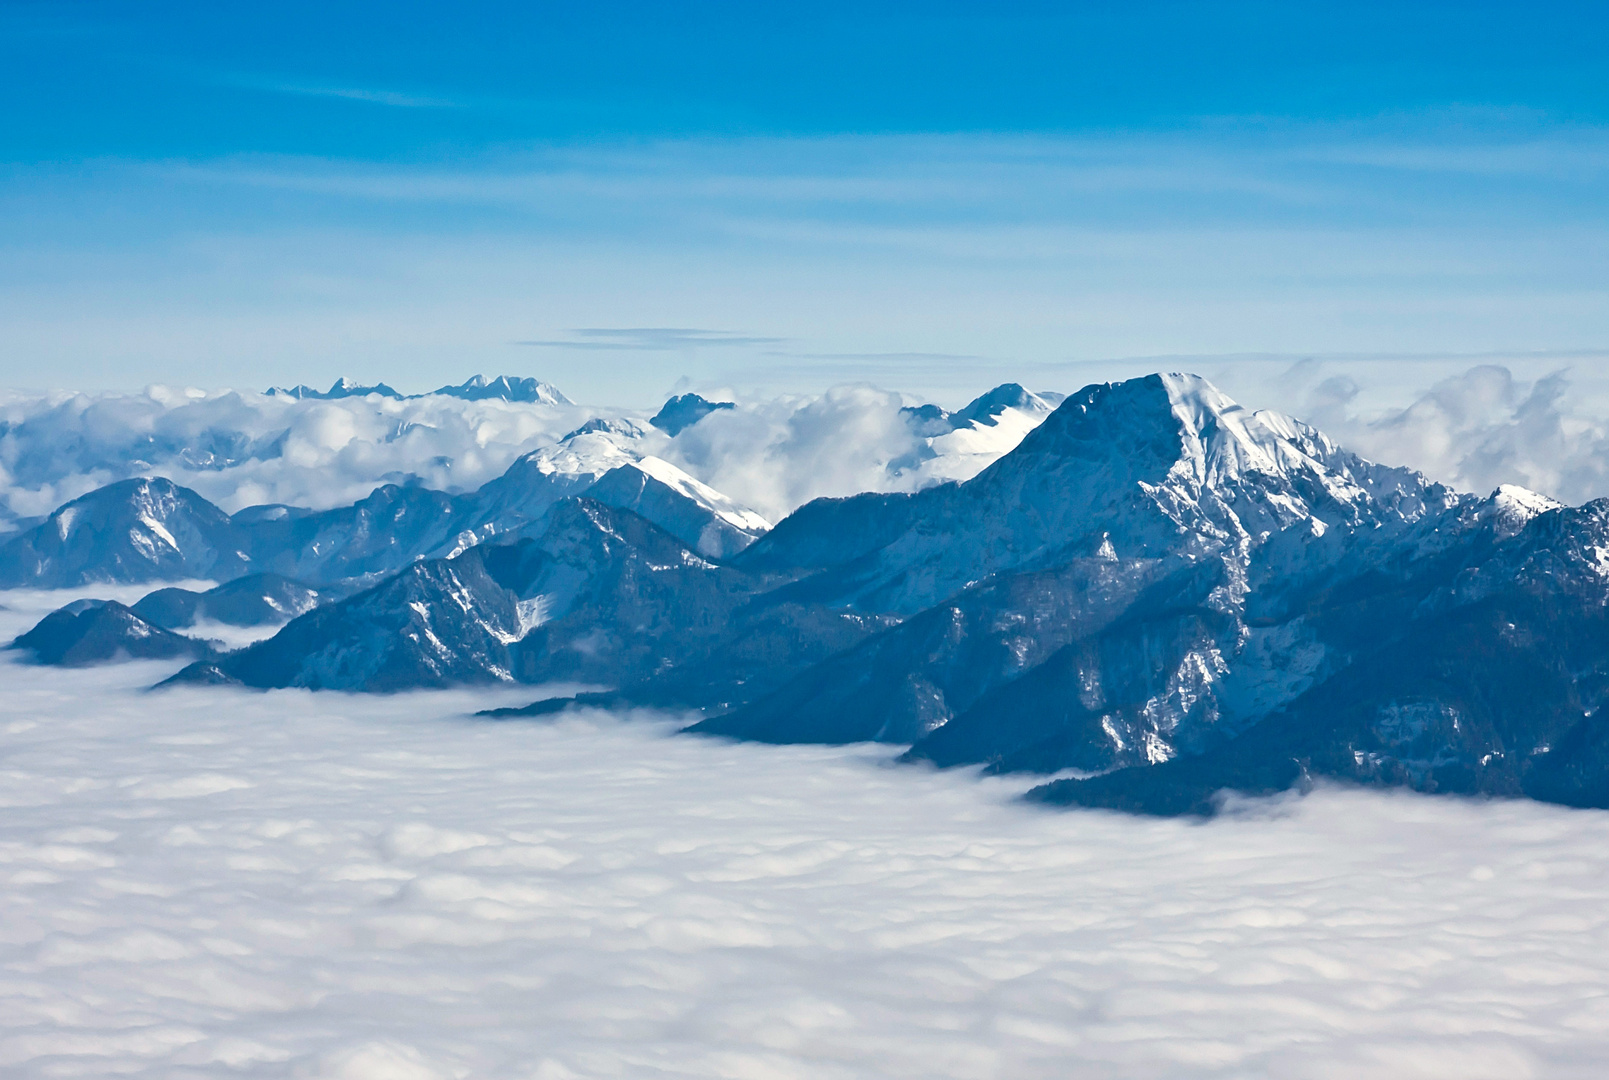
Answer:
(1476, 430)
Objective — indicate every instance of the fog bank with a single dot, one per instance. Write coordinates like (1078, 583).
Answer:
(215, 883)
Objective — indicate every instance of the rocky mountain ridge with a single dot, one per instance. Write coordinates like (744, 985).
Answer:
(1159, 591)
(155, 530)
(475, 388)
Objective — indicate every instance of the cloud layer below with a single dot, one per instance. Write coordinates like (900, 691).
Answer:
(206, 883)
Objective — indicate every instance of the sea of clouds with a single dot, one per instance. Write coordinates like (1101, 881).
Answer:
(214, 883)
(1473, 430)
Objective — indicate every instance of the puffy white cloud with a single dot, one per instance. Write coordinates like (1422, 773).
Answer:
(242, 449)
(777, 455)
(208, 882)
(1473, 430)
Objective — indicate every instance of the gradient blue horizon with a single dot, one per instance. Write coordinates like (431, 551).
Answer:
(926, 196)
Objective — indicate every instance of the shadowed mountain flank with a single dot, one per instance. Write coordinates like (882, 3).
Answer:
(1157, 590)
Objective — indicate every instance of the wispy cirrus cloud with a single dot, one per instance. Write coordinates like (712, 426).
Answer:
(651, 339)
(401, 99)
(938, 264)
(876, 357)
(378, 97)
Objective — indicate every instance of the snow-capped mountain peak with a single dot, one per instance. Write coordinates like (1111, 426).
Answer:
(1212, 466)
(703, 518)
(507, 388)
(588, 453)
(1222, 440)
(1520, 505)
(729, 510)
(984, 409)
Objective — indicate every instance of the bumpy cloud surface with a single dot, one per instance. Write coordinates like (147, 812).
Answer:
(205, 883)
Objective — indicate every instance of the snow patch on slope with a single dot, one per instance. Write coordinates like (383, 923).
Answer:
(739, 517)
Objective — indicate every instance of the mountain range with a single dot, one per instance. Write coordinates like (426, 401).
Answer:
(475, 388)
(151, 529)
(1156, 596)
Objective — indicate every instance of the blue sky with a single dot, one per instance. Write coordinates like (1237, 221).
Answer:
(625, 197)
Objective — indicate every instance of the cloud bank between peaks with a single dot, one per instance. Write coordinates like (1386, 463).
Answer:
(1473, 431)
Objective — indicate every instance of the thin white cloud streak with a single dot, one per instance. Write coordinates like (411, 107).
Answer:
(1578, 160)
(332, 887)
(401, 98)
(998, 175)
(312, 306)
(367, 95)
(650, 339)
(375, 97)
(305, 87)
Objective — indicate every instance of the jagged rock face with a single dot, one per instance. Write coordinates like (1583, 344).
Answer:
(130, 531)
(438, 623)
(1084, 602)
(908, 681)
(1145, 469)
(521, 498)
(592, 464)
(378, 535)
(604, 425)
(507, 388)
(94, 631)
(626, 603)
(341, 388)
(475, 388)
(151, 530)
(1479, 668)
(984, 410)
(1135, 688)
(601, 595)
